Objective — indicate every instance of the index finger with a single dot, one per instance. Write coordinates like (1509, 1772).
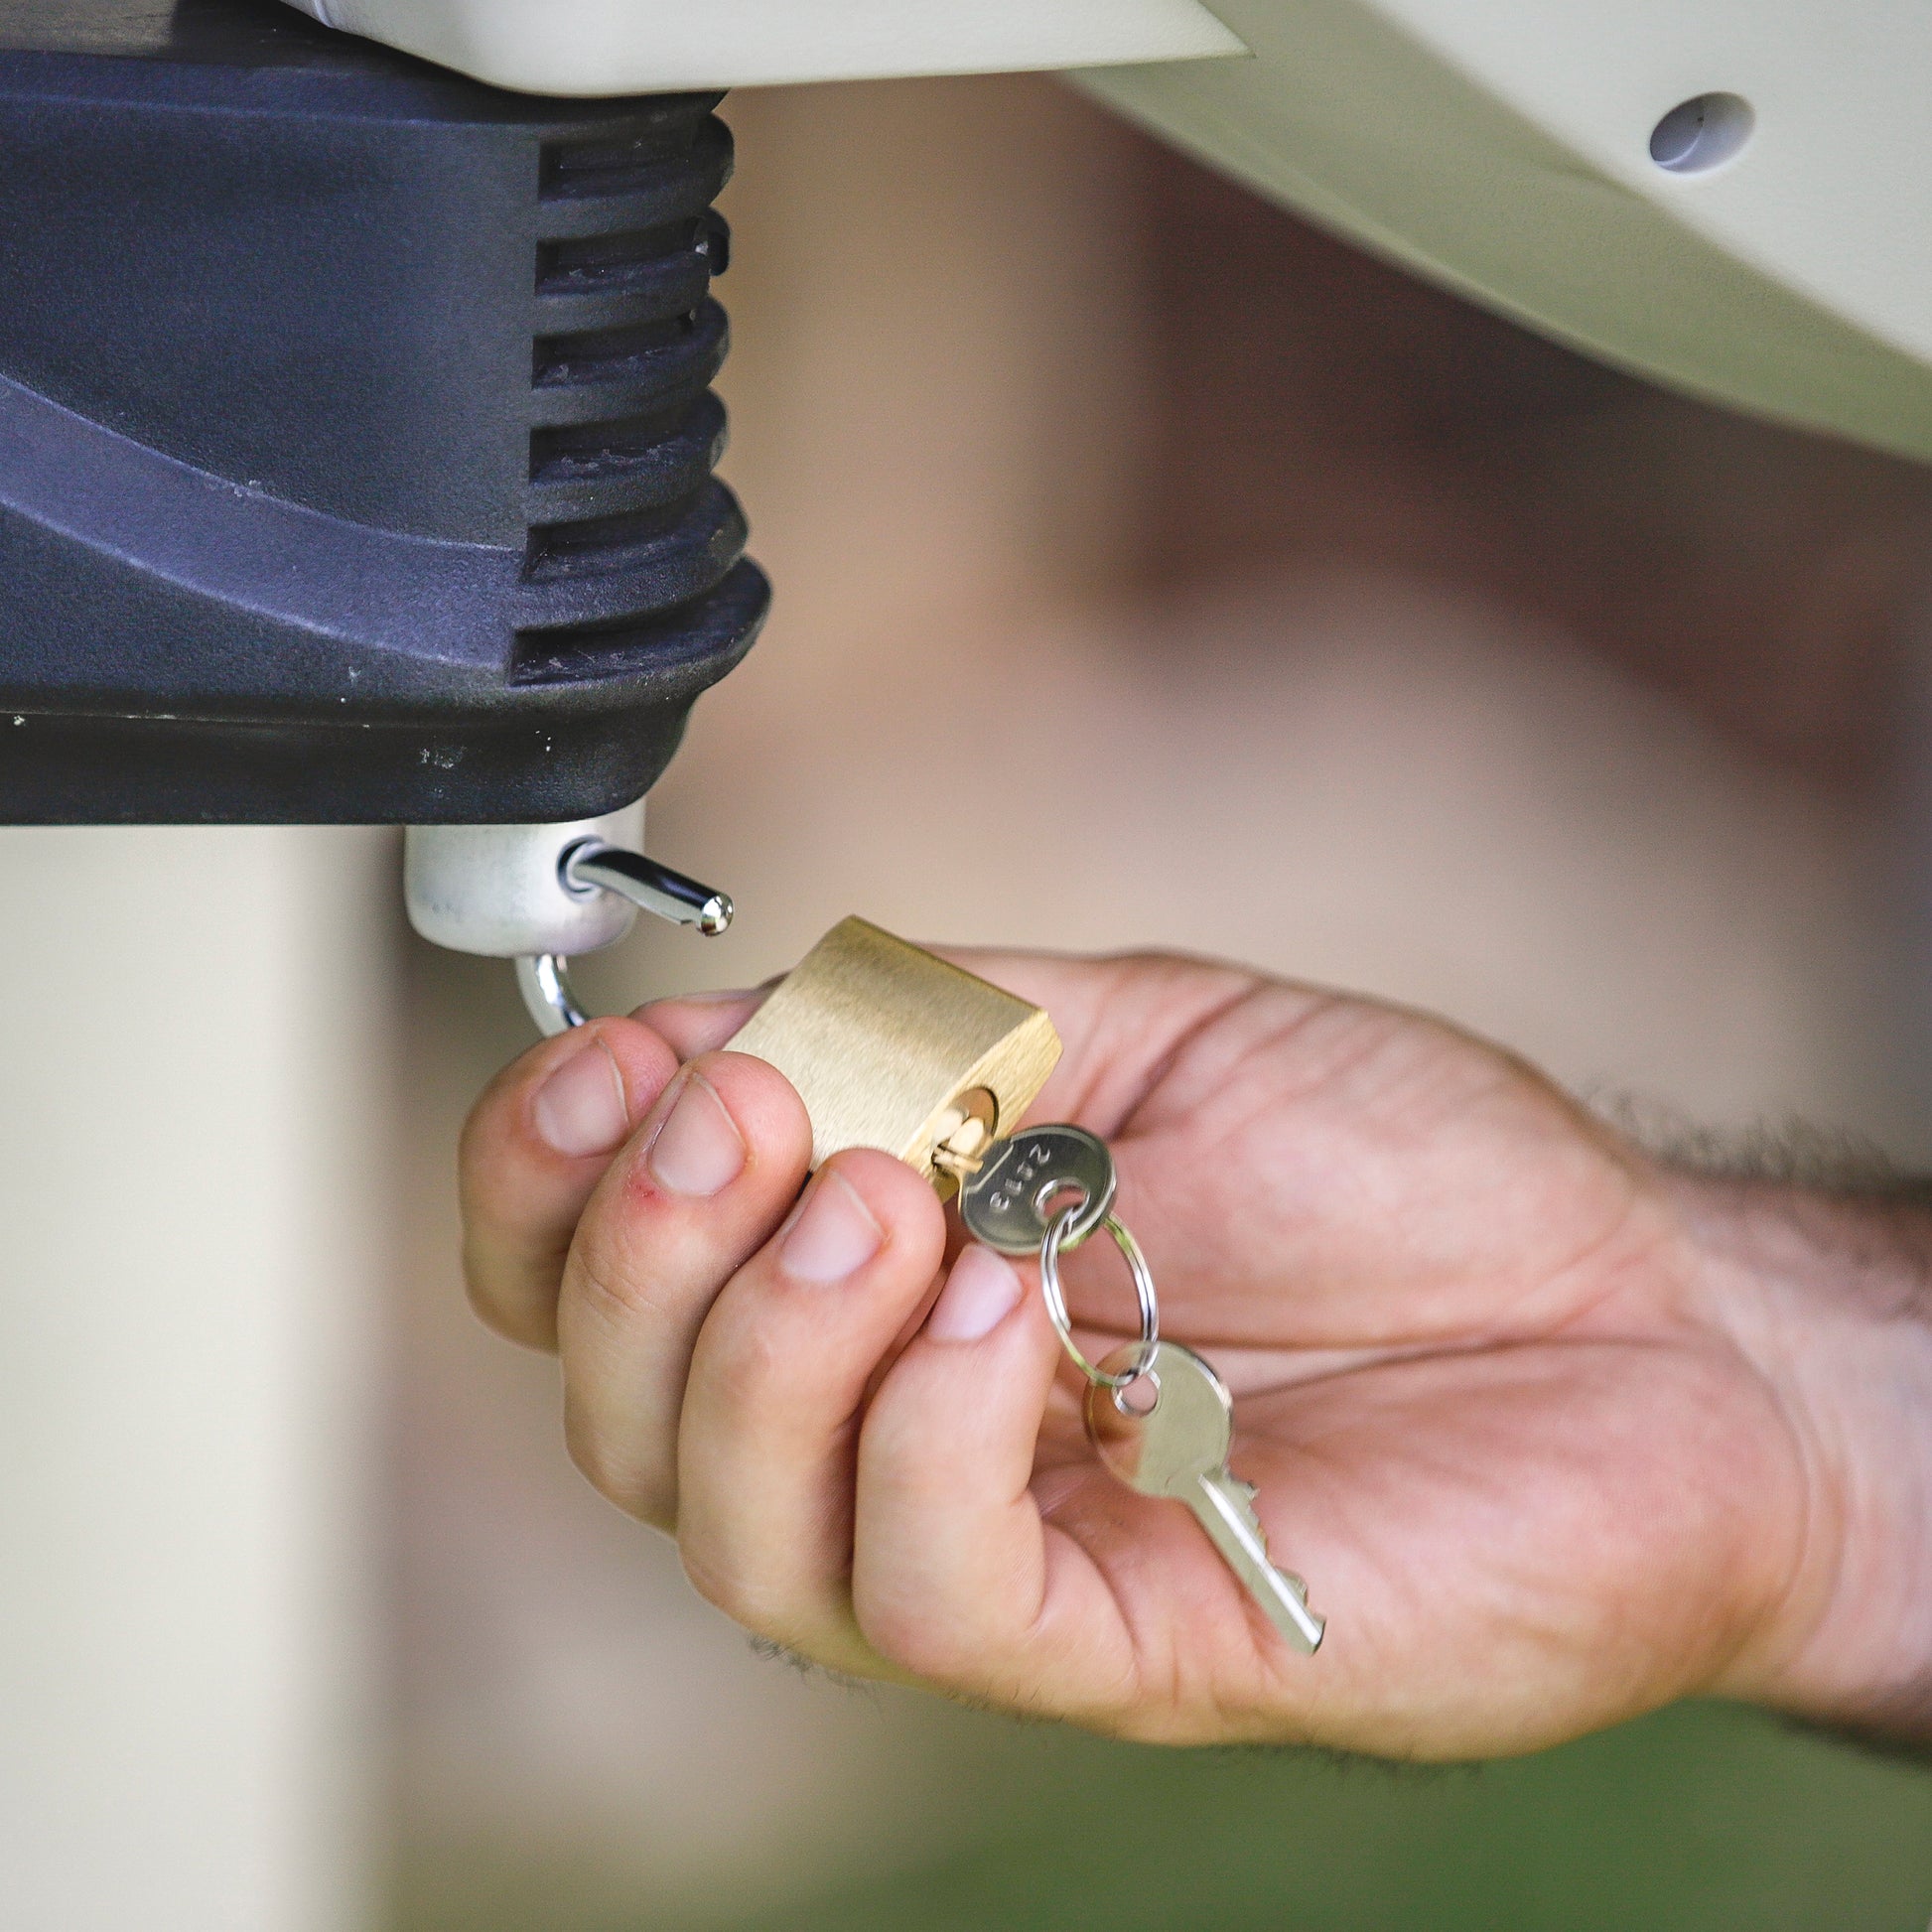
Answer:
(701, 1023)
(533, 1149)
(1120, 1019)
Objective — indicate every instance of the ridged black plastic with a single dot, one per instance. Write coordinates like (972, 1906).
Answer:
(356, 429)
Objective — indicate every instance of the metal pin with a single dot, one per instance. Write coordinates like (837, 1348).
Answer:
(595, 866)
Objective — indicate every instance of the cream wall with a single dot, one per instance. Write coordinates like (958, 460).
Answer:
(195, 1102)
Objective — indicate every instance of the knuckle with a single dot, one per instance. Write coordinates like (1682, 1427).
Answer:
(718, 1586)
(633, 1263)
(519, 1307)
(604, 1274)
(616, 1476)
(727, 1588)
(917, 1637)
(742, 1360)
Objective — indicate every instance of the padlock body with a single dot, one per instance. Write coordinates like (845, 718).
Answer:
(892, 1047)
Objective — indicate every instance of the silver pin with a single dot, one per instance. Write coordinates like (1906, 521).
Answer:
(593, 866)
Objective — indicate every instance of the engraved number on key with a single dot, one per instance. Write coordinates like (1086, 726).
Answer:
(1180, 1447)
(1008, 1204)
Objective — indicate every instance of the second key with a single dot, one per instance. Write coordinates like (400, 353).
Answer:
(1168, 1433)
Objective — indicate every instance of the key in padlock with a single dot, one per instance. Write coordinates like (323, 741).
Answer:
(893, 1048)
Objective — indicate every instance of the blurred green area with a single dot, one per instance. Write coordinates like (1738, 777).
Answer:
(1701, 1817)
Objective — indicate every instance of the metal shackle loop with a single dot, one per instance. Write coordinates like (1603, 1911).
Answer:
(595, 866)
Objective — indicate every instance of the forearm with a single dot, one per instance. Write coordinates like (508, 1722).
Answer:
(1829, 1297)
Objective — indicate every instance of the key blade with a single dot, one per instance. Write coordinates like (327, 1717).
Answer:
(1228, 1516)
(1178, 1449)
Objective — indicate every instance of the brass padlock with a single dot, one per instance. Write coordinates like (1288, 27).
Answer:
(893, 1048)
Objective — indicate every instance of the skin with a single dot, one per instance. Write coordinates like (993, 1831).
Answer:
(1557, 1434)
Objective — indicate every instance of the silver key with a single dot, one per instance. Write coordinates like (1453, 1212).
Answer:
(1180, 1447)
(1026, 1183)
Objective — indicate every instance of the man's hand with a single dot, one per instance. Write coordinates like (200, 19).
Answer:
(1556, 1435)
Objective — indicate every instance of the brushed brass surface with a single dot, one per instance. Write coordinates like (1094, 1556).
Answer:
(888, 1046)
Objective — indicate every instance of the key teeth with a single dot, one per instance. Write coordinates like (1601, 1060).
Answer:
(1245, 1500)
(1297, 1584)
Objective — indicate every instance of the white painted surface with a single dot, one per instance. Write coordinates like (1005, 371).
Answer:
(192, 1090)
(1503, 147)
(618, 47)
(1832, 193)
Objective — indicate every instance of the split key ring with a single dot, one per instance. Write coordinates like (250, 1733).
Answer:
(1019, 1203)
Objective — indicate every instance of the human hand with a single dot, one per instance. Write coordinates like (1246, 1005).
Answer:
(1556, 1434)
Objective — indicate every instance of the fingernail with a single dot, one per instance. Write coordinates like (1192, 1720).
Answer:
(699, 1148)
(980, 1292)
(581, 1108)
(833, 1235)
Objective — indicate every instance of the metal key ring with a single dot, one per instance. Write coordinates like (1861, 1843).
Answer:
(1055, 1297)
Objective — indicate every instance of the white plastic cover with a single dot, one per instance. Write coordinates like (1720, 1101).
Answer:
(623, 47)
(1503, 147)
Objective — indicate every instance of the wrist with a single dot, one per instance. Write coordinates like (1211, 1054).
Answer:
(1828, 1299)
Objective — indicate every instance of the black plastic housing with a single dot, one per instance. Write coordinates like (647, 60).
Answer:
(355, 430)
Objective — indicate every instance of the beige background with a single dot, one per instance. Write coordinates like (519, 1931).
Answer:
(1430, 667)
